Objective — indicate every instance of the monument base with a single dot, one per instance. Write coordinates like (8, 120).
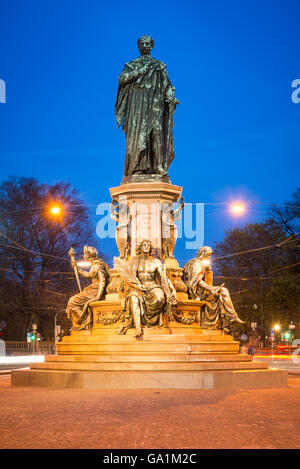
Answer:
(175, 356)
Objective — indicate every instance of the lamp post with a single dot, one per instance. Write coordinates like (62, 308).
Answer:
(276, 328)
(34, 328)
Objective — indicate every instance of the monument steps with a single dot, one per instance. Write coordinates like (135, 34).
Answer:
(150, 365)
(149, 357)
(174, 338)
(184, 357)
(181, 360)
(98, 347)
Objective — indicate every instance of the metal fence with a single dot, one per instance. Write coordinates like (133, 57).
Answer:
(30, 348)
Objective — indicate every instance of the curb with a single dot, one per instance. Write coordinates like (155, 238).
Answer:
(8, 371)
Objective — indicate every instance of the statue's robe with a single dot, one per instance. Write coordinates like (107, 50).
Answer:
(150, 306)
(218, 309)
(143, 108)
(78, 306)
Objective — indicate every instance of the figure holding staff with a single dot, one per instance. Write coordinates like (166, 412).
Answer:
(78, 306)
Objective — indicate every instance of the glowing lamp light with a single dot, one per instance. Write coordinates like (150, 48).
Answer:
(206, 262)
(55, 210)
(84, 264)
(277, 327)
(237, 208)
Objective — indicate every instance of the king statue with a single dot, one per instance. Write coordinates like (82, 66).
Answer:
(145, 105)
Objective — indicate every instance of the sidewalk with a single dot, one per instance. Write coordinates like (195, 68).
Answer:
(151, 419)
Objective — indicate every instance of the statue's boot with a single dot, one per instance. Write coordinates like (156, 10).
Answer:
(124, 329)
(238, 320)
(161, 171)
(79, 328)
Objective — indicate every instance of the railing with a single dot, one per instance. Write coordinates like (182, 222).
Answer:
(30, 348)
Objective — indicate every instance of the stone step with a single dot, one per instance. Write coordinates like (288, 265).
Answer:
(148, 366)
(167, 338)
(225, 379)
(98, 347)
(150, 357)
(151, 331)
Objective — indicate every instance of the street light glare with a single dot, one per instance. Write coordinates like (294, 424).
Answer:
(206, 262)
(55, 210)
(277, 327)
(237, 208)
(84, 264)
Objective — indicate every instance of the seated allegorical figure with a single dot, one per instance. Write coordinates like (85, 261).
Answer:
(148, 292)
(78, 306)
(218, 310)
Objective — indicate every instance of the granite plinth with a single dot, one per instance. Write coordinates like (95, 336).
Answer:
(176, 356)
(144, 202)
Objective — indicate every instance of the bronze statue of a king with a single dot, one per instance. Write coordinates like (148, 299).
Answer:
(145, 105)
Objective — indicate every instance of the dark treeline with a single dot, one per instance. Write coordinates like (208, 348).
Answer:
(265, 283)
(35, 287)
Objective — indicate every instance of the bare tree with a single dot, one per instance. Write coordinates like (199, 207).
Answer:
(35, 275)
(288, 215)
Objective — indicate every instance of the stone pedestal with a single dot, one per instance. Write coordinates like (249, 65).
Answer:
(179, 355)
(140, 205)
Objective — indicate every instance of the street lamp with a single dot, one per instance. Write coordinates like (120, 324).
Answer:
(237, 208)
(206, 262)
(86, 264)
(55, 210)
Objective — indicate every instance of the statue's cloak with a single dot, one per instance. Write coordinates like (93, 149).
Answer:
(141, 106)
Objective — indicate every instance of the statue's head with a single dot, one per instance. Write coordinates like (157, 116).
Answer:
(145, 247)
(204, 253)
(145, 44)
(90, 253)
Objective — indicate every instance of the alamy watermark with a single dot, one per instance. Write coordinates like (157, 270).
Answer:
(2, 91)
(296, 93)
(154, 220)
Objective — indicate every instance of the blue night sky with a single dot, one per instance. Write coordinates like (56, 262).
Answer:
(232, 63)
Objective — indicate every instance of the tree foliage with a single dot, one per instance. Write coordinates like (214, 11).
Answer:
(287, 216)
(35, 275)
(264, 282)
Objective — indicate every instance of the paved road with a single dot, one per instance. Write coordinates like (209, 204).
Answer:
(285, 363)
(75, 418)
